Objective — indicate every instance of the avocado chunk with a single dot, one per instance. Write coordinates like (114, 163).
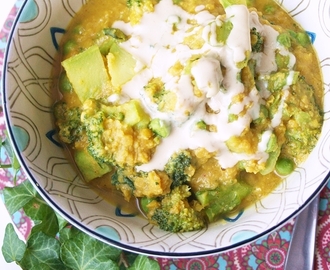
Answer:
(121, 65)
(88, 166)
(135, 114)
(87, 73)
(223, 199)
(160, 127)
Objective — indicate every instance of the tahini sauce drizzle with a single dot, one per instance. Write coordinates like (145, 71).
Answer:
(157, 47)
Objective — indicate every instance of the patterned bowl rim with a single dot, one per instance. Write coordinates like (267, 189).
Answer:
(99, 236)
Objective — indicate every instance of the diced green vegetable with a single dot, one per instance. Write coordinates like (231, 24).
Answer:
(87, 73)
(223, 199)
(108, 37)
(121, 65)
(115, 33)
(301, 37)
(271, 161)
(88, 166)
(160, 127)
(277, 81)
(272, 144)
(135, 114)
(201, 125)
(232, 117)
(113, 112)
(263, 115)
(105, 45)
(284, 39)
(223, 31)
(282, 61)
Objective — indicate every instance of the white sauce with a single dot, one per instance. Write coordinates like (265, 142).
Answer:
(209, 81)
(157, 48)
(239, 38)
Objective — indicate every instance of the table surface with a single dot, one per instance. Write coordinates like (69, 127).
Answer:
(266, 253)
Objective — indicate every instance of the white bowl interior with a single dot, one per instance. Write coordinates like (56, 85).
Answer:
(28, 101)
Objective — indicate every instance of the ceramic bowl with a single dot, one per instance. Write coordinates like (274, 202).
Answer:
(27, 101)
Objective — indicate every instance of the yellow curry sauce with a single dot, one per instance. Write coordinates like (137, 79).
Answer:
(272, 120)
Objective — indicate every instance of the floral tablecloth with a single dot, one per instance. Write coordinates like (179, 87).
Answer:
(268, 252)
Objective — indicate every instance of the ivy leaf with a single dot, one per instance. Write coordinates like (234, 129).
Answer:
(84, 252)
(16, 197)
(37, 208)
(13, 248)
(62, 223)
(145, 263)
(49, 225)
(14, 161)
(127, 259)
(42, 252)
(64, 234)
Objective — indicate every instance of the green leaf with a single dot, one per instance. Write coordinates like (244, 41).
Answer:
(42, 253)
(14, 161)
(62, 223)
(145, 263)
(37, 208)
(13, 248)
(85, 252)
(64, 234)
(127, 259)
(16, 197)
(48, 225)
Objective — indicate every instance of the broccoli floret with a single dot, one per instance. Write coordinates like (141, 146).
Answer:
(93, 117)
(303, 119)
(118, 135)
(150, 184)
(175, 213)
(257, 41)
(180, 168)
(68, 122)
(164, 99)
(123, 183)
(223, 199)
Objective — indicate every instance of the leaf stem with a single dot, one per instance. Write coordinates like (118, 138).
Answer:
(5, 166)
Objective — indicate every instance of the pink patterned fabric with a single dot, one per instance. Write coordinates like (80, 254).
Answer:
(266, 253)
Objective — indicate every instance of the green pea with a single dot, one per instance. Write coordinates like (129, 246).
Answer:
(144, 204)
(78, 30)
(284, 166)
(69, 46)
(65, 84)
(269, 9)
